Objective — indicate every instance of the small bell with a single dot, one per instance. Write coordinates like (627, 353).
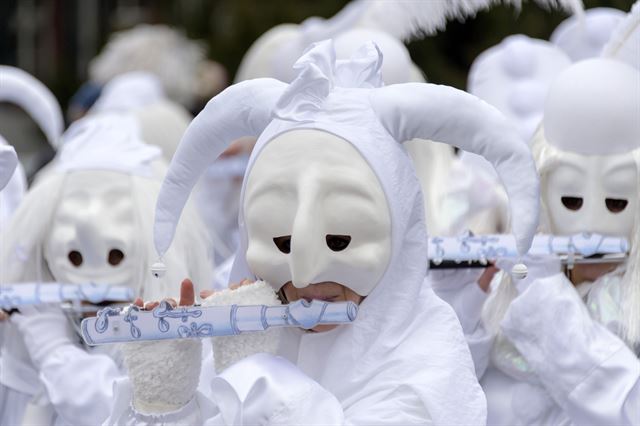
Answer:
(519, 271)
(158, 269)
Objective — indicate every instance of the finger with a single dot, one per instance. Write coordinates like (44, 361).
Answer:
(206, 293)
(150, 305)
(138, 302)
(187, 293)
(487, 276)
(3, 315)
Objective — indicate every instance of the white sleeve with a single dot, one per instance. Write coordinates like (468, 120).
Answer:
(79, 384)
(586, 369)
(194, 412)
(459, 288)
(266, 389)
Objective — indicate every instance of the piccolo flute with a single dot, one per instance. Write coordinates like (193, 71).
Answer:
(13, 296)
(133, 324)
(477, 251)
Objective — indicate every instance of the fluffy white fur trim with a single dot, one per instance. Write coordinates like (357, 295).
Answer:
(230, 349)
(164, 374)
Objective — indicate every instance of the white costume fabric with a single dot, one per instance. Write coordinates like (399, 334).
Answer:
(565, 354)
(88, 220)
(402, 361)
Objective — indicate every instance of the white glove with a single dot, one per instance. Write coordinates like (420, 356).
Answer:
(537, 266)
(43, 329)
(229, 349)
(164, 374)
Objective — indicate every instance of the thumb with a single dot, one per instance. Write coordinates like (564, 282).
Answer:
(187, 293)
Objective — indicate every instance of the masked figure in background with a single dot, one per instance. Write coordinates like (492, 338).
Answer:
(332, 210)
(89, 220)
(560, 348)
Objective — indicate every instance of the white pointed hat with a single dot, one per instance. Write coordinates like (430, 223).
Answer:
(108, 141)
(24, 90)
(346, 98)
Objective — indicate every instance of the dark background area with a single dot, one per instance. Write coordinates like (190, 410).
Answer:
(54, 40)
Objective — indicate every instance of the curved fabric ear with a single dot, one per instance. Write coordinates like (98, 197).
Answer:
(451, 116)
(244, 109)
(24, 90)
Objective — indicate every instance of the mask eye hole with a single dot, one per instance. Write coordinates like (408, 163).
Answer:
(75, 257)
(616, 205)
(338, 242)
(283, 243)
(572, 203)
(115, 257)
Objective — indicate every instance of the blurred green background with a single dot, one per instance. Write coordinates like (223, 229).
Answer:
(55, 39)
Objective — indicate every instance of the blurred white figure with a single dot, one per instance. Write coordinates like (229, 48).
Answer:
(584, 35)
(561, 347)
(88, 220)
(180, 64)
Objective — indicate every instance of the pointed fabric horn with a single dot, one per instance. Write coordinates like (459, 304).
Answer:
(243, 109)
(451, 116)
(24, 90)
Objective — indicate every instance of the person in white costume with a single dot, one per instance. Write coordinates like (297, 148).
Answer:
(89, 220)
(332, 209)
(563, 349)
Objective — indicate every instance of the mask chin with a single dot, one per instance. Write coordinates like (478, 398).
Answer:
(93, 231)
(316, 212)
(591, 193)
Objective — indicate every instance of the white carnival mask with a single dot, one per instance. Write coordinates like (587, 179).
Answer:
(316, 212)
(592, 193)
(591, 116)
(93, 235)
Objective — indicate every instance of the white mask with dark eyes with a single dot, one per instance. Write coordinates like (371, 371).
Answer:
(316, 212)
(93, 231)
(591, 117)
(592, 194)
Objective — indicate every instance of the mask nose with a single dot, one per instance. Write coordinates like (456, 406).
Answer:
(89, 239)
(306, 249)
